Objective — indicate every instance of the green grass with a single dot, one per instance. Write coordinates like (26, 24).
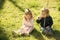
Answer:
(11, 14)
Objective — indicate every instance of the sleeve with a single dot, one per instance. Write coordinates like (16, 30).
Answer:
(38, 20)
(51, 22)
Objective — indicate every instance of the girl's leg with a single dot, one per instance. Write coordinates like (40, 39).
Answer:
(15, 31)
(29, 30)
(20, 31)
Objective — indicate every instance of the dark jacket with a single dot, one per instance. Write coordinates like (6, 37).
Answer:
(44, 22)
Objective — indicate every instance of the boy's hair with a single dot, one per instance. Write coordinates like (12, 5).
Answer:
(45, 10)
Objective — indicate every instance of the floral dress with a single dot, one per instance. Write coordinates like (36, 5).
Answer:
(27, 27)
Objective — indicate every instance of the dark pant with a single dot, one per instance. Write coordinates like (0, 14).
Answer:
(46, 30)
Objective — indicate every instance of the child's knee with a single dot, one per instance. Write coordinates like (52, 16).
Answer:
(42, 28)
(48, 28)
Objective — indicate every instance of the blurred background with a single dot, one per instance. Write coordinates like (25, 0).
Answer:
(11, 14)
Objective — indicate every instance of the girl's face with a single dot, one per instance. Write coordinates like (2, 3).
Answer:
(28, 16)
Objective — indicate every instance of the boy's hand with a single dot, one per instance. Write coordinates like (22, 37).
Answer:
(41, 16)
(47, 27)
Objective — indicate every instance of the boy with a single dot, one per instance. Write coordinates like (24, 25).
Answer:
(45, 20)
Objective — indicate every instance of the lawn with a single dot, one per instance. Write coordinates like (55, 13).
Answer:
(11, 14)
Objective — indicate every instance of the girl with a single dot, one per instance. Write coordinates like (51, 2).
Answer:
(45, 20)
(27, 26)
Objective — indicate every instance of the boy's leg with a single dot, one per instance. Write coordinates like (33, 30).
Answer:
(43, 30)
(49, 29)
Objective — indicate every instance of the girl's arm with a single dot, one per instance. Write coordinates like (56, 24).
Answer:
(28, 23)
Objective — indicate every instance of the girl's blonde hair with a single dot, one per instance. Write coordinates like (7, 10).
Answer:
(28, 12)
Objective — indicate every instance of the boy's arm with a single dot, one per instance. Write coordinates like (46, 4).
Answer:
(38, 20)
(50, 22)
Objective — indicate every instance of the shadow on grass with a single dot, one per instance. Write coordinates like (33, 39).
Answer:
(56, 35)
(1, 4)
(34, 33)
(37, 35)
(3, 35)
(17, 5)
(58, 8)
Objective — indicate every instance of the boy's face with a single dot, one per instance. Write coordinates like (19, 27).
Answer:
(44, 14)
